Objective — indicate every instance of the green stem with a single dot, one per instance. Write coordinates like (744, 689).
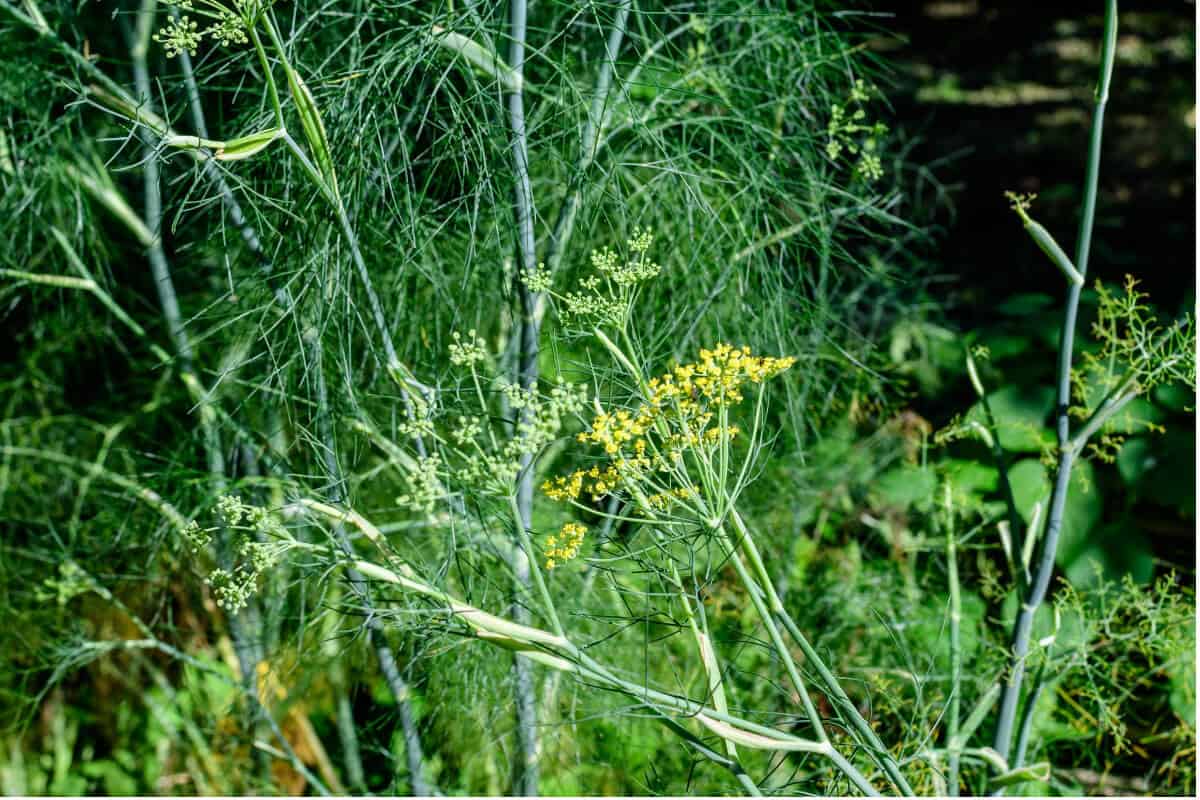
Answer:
(1036, 593)
(953, 710)
(535, 571)
(876, 748)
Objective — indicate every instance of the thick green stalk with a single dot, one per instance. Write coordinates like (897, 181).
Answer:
(1036, 593)
(526, 782)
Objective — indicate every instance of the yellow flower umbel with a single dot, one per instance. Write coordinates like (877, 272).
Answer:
(564, 545)
(681, 427)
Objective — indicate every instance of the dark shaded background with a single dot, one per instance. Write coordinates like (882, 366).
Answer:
(997, 96)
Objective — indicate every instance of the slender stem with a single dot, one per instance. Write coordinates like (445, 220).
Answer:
(1036, 592)
(335, 493)
(953, 710)
(776, 637)
(268, 76)
(1107, 410)
(877, 750)
(535, 572)
(589, 145)
(1039, 685)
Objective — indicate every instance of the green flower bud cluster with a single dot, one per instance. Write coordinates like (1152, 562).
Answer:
(467, 431)
(494, 469)
(849, 132)
(607, 296)
(259, 540)
(516, 397)
(71, 582)
(179, 36)
(538, 280)
(424, 485)
(470, 351)
(230, 26)
(197, 538)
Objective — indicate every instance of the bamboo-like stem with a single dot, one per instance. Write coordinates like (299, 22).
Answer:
(526, 778)
(698, 622)
(1036, 593)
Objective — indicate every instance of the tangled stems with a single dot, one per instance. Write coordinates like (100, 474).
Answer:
(557, 651)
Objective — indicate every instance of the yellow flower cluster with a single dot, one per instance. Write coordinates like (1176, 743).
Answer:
(564, 545)
(596, 481)
(675, 417)
(718, 376)
(611, 431)
(663, 501)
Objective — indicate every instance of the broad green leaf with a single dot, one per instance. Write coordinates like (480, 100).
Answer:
(1175, 396)
(1114, 551)
(968, 477)
(1021, 414)
(1030, 485)
(1020, 305)
(905, 485)
(1083, 508)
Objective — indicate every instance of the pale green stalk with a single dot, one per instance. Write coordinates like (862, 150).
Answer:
(1032, 600)
(527, 345)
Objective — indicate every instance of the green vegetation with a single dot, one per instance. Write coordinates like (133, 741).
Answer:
(519, 398)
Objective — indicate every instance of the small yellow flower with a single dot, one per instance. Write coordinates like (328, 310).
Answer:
(564, 545)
